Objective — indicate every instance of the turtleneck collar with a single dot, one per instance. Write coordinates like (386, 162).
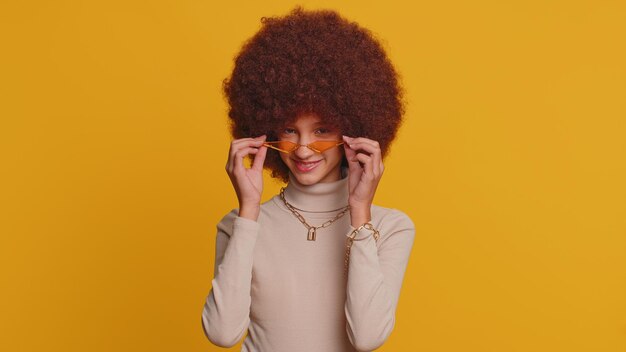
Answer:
(323, 196)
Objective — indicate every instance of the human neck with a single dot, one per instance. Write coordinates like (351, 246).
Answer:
(321, 196)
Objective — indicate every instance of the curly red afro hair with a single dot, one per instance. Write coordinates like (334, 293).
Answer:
(313, 62)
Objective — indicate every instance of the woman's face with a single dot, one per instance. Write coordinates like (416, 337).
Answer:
(306, 165)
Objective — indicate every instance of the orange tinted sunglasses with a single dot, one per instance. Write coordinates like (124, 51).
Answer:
(290, 147)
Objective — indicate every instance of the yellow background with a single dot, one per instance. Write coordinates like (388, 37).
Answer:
(511, 163)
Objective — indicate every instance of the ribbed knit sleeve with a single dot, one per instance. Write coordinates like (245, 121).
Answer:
(226, 312)
(375, 276)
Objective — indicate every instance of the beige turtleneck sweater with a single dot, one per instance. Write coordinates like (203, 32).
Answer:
(290, 294)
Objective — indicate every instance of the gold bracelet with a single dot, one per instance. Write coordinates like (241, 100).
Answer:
(352, 237)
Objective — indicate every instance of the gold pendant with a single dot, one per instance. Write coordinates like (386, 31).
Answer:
(311, 234)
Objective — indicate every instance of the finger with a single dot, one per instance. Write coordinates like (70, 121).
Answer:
(238, 144)
(362, 140)
(374, 151)
(368, 168)
(368, 147)
(353, 165)
(259, 158)
(238, 158)
(235, 164)
(247, 141)
(350, 153)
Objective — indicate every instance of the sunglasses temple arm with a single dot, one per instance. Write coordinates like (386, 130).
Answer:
(275, 148)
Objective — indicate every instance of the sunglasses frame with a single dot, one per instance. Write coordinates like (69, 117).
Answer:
(296, 146)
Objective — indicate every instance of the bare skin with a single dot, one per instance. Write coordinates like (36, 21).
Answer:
(248, 182)
(365, 171)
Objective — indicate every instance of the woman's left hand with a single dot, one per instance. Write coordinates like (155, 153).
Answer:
(365, 170)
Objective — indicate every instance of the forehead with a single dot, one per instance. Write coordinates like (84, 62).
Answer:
(308, 120)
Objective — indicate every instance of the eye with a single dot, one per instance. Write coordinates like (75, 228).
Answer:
(288, 130)
(322, 130)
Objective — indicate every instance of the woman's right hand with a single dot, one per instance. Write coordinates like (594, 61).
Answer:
(248, 183)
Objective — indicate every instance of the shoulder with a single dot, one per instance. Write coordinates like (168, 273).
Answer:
(391, 217)
(227, 221)
(394, 225)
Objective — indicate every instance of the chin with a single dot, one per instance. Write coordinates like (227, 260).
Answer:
(323, 172)
(306, 180)
(311, 178)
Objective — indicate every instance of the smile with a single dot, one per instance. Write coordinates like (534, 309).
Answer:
(306, 166)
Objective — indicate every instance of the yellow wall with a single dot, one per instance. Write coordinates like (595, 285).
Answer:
(511, 163)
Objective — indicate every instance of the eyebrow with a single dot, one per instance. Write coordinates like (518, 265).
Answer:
(315, 124)
(324, 123)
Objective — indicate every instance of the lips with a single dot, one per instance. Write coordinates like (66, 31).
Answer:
(306, 166)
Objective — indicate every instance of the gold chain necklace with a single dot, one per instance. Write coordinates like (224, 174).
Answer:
(311, 229)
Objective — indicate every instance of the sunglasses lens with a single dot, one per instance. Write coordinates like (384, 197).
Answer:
(317, 146)
(287, 146)
(322, 146)
(283, 146)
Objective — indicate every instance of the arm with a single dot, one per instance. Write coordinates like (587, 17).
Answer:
(226, 312)
(375, 276)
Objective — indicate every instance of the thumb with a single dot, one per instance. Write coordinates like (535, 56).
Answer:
(350, 156)
(259, 158)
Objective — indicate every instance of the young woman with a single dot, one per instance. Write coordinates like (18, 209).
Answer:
(318, 267)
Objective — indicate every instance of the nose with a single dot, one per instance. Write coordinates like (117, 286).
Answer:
(303, 152)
